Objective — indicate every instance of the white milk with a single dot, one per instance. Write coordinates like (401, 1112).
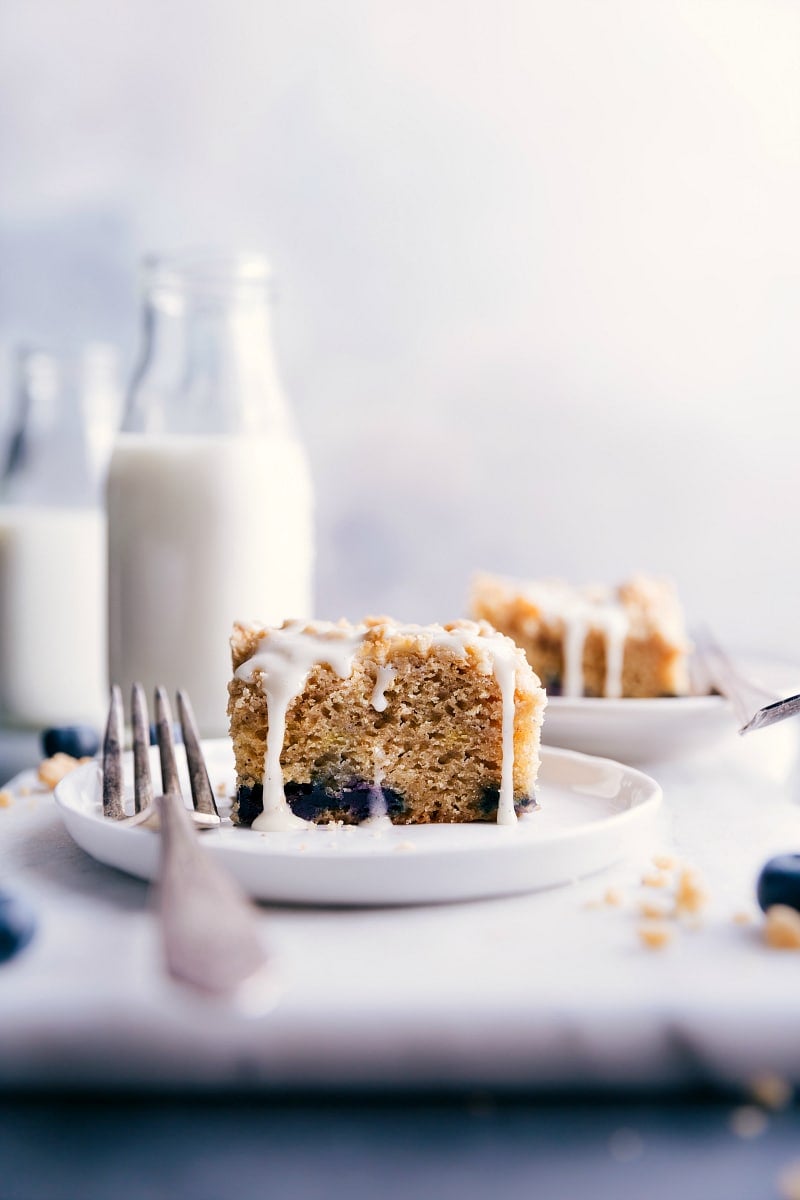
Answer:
(203, 530)
(52, 615)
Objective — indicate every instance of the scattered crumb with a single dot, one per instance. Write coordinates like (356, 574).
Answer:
(655, 937)
(690, 895)
(53, 770)
(653, 910)
(25, 790)
(221, 788)
(6, 799)
(302, 846)
(789, 1182)
(665, 862)
(772, 1091)
(613, 897)
(748, 1121)
(625, 1145)
(742, 918)
(782, 927)
(405, 846)
(655, 879)
(593, 902)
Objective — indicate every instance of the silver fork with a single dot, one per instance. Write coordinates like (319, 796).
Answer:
(746, 697)
(209, 932)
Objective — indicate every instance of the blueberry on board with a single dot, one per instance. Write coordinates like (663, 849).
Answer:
(80, 741)
(779, 882)
(17, 925)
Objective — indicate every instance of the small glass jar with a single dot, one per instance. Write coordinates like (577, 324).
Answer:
(53, 548)
(209, 493)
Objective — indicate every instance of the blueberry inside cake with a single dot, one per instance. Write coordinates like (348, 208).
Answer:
(381, 721)
(593, 641)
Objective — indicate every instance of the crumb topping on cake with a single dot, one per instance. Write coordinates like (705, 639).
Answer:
(593, 630)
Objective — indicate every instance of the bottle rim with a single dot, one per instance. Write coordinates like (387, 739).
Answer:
(206, 270)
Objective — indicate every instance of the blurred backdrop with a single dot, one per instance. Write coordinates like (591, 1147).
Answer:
(538, 266)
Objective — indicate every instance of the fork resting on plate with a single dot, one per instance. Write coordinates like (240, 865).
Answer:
(747, 697)
(209, 932)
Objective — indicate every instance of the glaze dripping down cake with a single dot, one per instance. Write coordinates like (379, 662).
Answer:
(412, 723)
(593, 641)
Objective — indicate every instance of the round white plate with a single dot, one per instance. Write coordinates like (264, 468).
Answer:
(638, 731)
(593, 813)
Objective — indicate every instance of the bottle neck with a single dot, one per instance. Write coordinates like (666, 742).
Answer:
(207, 364)
(47, 461)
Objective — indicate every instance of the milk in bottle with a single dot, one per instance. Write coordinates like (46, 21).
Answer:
(52, 555)
(209, 494)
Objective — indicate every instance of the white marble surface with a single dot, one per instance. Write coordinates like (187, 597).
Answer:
(539, 990)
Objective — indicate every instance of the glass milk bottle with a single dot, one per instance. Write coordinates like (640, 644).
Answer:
(209, 494)
(52, 556)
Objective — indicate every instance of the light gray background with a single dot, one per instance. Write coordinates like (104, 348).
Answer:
(538, 265)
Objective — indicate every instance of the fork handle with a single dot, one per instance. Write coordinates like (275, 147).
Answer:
(209, 931)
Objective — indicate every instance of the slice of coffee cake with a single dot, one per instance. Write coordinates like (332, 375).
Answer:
(593, 641)
(412, 723)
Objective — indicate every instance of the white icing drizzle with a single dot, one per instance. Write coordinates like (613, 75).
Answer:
(378, 818)
(505, 672)
(383, 680)
(615, 623)
(283, 661)
(580, 611)
(576, 628)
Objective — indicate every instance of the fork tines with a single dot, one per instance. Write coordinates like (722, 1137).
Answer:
(202, 794)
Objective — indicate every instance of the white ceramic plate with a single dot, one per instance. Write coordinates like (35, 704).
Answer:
(661, 729)
(593, 813)
(638, 731)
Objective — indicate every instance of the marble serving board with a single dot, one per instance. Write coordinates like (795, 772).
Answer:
(549, 990)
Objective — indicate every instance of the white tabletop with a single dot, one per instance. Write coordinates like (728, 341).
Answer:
(541, 990)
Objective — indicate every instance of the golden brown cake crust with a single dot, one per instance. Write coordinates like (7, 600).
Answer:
(437, 745)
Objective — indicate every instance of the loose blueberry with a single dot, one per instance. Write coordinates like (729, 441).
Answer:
(81, 741)
(779, 882)
(177, 734)
(17, 925)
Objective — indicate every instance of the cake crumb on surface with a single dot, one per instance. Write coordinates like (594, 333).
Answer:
(748, 1121)
(655, 937)
(690, 896)
(655, 879)
(772, 1091)
(613, 897)
(742, 918)
(6, 799)
(653, 910)
(665, 862)
(782, 927)
(52, 770)
(405, 846)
